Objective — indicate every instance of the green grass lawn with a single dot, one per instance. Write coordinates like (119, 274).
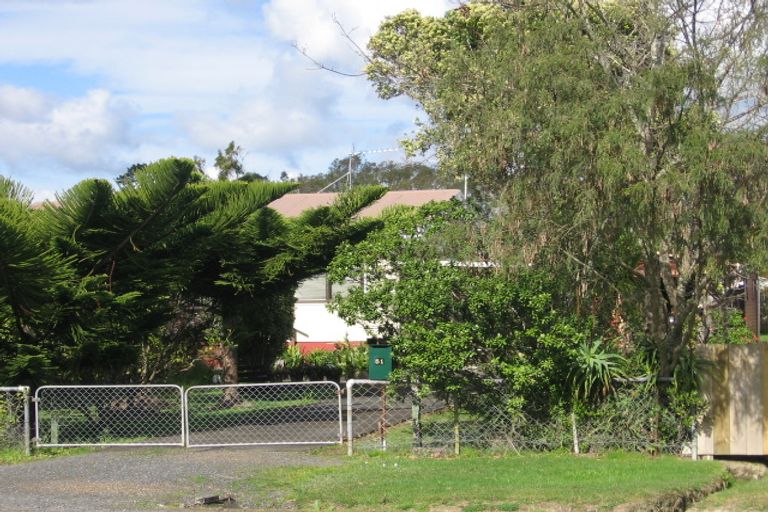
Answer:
(481, 482)
(743, 495)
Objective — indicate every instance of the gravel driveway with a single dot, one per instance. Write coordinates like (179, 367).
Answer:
(141, 479)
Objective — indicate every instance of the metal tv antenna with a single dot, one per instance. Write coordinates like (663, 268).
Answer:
(350, 170)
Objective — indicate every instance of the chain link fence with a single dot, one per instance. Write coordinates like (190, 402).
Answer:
(630, 420)
(14, 418)
(377, 418)
(109, 415)
(264, 414)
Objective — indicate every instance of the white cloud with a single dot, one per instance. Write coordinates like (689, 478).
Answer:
(184, 77)
(310, 23)
(18, 104)
(140, 48)
(78, 133)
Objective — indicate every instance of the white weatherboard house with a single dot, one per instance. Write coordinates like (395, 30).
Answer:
(315, 327)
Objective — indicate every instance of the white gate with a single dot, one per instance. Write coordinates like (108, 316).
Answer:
(263, 414)
(147, 415)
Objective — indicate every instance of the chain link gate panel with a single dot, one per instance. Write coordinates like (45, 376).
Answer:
(148, 415)
(264, 414)
(372, 411)
(14, 418)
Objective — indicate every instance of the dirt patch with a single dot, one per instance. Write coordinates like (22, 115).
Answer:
(675, 501)
(745, 470)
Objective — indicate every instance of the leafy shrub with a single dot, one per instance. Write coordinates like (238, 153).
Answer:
(290, 362)
(322, 364)
(730, 328)
(596, 368)
(352, 359)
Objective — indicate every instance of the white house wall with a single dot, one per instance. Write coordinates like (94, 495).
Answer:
(314, 324)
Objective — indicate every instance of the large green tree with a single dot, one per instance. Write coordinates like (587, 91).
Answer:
(30, 274)
(454, 319)
(110, 285)
(626, 142)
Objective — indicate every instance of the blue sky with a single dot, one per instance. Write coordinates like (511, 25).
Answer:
(88, 87)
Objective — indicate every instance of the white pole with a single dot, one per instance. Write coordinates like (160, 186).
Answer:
(27, 441)
(575, 432)
(350, 383)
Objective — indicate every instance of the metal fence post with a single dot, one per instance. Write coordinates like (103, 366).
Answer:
(27, 441)
(350, 383)
(341, 417)
(184, 417)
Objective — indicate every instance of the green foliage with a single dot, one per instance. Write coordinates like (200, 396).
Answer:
(456, 322)
(352, 359)
(596, 369)
(129, 176)
(9, 422)
(393, 175)
(292, 357)
(120, 285)
(27, 267)
(322, 365)
(729, 328)
(620, 159)
(321, 358)
(345, 360)
(230, 162)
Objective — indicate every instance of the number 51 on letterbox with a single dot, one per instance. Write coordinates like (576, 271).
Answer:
(379, 362)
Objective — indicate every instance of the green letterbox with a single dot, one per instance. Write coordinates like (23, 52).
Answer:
(379, 362)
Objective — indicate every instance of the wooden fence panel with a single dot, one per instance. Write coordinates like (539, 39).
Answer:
(736, 387)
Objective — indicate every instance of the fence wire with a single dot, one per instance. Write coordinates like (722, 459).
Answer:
(630, 421)
(264, 414)
(109, 415)
(377, 417)
(14, 418)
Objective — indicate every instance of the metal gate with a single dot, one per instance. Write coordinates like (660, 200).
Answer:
(166, 415)
(14, 418)
(150, 415)
(263, 414)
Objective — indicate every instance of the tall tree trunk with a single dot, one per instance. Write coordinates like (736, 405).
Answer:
(229, 363)
(752, 304)
(229, 355)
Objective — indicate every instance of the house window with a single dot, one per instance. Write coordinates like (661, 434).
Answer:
(343, 288)
(314, 289)
(319, 289)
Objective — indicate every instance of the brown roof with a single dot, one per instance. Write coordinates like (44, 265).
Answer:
(291, 205)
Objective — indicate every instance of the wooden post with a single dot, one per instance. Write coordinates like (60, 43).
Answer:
(456, 429)
(575, 433)
(752, 304)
